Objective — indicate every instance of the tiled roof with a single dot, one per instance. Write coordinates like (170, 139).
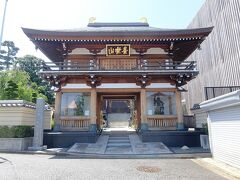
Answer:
(95, 29)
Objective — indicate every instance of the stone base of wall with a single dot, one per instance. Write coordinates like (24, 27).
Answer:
(173, 138)
(15, 144)
(67, 139)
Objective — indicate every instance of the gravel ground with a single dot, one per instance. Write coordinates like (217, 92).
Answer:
(21, 166)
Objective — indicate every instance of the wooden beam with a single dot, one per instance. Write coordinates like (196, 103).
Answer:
(118, 90)
(118, 79)
(84, 57)
(75, 90)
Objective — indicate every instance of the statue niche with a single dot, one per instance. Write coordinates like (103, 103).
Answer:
(79, 101)
(158, 105)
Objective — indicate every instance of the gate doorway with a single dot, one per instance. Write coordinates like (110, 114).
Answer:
(118, 111)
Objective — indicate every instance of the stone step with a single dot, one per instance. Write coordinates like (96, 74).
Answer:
(118, 124)
(118, 116)
(118, 145)
(124, 133)
(118, 137)
(118, 134)
(119, 141)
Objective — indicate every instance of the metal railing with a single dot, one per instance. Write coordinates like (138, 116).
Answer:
(95, 65)
(212, 92)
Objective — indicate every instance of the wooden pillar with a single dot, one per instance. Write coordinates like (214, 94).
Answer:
(170, 105)
(57, 112)
(180, 125)
(144, 123)
(93, 105)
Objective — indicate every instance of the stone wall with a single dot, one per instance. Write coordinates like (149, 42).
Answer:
(15, 144)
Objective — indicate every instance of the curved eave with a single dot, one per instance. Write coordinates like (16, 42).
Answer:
(99, 34)
(50, 42)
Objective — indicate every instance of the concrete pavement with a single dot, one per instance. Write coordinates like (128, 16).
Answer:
(36, 167)
(219, 167)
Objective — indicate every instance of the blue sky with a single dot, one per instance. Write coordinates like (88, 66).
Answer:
(64, 14)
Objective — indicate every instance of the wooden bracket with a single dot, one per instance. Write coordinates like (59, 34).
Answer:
(143, 81)
(93, 81)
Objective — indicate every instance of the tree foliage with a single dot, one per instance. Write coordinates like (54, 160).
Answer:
(32, 65)
(18, 77)
(7, 55)
(23, 81)
(15, 84)
(11, 90)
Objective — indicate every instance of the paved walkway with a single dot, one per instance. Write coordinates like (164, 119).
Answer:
(219, 167)
(49, 167)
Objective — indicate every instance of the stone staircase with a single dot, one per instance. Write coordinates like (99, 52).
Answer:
(118, 143)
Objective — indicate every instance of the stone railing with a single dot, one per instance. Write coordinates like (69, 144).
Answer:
(167, 122)
(74, 122)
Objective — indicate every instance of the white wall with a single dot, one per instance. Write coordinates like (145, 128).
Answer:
(224, 127)
(218, 59)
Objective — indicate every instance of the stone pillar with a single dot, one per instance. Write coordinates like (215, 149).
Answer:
(38, 126)
(93, 115)
(143, 101)
(57, 111)
(180, 125)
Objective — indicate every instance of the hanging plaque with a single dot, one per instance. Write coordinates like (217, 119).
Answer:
(118, 50)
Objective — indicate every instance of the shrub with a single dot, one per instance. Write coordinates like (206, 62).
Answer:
(205, 128)
(16, 131)
(6, 132)
(52, 123)
(11, 90)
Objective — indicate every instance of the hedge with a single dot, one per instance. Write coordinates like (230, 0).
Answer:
(16, 131)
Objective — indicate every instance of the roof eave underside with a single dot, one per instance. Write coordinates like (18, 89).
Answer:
(33, 33)
(54, 39)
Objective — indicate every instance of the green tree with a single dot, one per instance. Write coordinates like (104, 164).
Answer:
(32, 65)
(3, 80)
(8, 54)
(15, 84)
(18, 77)
(11, 90)
(34, 97)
